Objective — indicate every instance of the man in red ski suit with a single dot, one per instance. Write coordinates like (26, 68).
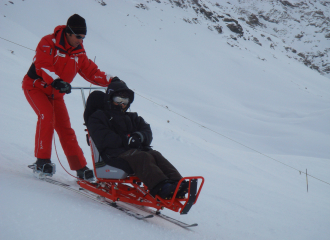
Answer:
(59, 57)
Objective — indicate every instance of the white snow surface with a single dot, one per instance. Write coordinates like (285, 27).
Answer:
(250, 127)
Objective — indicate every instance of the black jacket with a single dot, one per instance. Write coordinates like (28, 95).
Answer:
(110, 129)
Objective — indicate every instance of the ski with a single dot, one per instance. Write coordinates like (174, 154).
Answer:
(98, 199)
(175, 221)
(129, 212)
(163, 216)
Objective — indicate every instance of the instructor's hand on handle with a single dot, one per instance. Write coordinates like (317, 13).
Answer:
(59, 84)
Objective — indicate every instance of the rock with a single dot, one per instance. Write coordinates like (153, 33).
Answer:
(236, 28)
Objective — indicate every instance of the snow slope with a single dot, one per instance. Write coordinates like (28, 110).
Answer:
(247, 125)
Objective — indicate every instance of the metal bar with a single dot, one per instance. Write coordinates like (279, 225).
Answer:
(89, 88)
(307, 179)
(83, 97)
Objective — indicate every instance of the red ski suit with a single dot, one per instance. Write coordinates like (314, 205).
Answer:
(55, 58)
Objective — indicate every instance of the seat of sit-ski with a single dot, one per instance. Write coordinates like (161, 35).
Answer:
(103, 170)
(95, 101)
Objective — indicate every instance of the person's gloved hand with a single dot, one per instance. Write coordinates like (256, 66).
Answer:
(59, 84)
(134, 141)
(116, 79)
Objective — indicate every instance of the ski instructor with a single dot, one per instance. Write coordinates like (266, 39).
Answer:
(59, 57)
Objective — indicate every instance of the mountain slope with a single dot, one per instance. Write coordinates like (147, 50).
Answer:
(252, 118)
(296, 29)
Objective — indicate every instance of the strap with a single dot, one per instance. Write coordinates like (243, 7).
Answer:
(32, 72)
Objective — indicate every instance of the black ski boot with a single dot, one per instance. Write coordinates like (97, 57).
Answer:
(167, 190)
(183, 189)
(85, 173)
(44, 165)
(43, 168)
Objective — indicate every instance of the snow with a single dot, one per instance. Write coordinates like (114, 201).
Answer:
(251, 127)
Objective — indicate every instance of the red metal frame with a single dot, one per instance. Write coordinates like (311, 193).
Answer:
(131, 190)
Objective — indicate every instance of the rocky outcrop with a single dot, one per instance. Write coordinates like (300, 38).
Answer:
(302, 27)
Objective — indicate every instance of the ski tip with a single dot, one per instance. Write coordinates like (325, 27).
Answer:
(192, 225)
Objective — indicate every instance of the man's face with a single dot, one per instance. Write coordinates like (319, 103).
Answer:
(73, 40)
(123, 106)
(120, 100)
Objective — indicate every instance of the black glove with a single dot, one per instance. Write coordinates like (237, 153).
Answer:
(59, 84)
(116, 79)
(134, 141)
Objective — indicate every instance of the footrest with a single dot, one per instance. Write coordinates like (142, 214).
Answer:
(191, 198)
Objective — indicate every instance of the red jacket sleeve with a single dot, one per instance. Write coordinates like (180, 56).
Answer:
(90, 72)
(44, 60)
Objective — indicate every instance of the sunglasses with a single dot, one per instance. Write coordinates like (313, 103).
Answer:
(120, 100)
(77, 36)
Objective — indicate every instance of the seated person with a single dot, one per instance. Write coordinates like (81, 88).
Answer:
(123, 140)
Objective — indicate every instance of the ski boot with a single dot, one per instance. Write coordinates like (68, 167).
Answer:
(86, 174)
(43, 168)
(183, 189)
(167, 190)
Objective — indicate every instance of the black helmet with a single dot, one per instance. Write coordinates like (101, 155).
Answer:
(118, 88)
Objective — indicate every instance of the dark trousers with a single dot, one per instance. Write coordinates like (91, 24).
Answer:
(151, 166)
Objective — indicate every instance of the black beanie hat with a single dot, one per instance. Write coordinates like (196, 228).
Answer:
(77, 25)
